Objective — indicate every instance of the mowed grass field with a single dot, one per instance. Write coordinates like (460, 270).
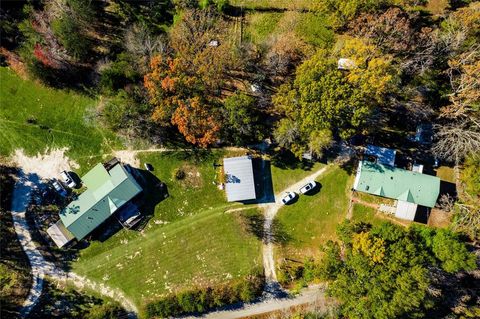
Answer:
(282, 177)
(365, 214)
(312, 220)
(207, 248)
(191, 240)
(34, 118)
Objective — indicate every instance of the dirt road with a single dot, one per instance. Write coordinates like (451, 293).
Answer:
(311, 295)
(271, 210)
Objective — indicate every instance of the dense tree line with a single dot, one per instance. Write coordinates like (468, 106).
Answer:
(386, 271)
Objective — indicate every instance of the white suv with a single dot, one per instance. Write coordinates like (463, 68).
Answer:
(67, 179)
(308, 187)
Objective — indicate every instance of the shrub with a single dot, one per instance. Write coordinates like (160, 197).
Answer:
(105, 311)
(179, 174)
(71, 36)
(118, 74)
(202, 299)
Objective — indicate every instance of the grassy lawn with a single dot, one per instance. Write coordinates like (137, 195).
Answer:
(365, 214)
(190, 240)
(203, 249)
(312, 220)
(34, 117)
(282, 176)
(446, 173)
(273, 4)
(260, 26)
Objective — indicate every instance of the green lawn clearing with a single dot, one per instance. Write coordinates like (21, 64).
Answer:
(273, 4)
(204, 249)
(260, 26)
(34, 118)
(446, 173)
(282, 177)
(365, 214)
(193, 238)
(312, 220)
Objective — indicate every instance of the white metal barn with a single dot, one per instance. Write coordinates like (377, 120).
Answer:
(239, 181)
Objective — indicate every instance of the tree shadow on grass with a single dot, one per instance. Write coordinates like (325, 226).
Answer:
(280, 235)
(285, 159)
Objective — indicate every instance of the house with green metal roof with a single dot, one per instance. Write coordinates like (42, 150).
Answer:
(409, 188)
(107, 191)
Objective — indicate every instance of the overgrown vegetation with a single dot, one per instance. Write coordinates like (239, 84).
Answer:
(65, 302)
(204, 299)
(14, 266)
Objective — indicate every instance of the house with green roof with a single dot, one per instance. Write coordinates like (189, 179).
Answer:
(409, 188)
(107, 191)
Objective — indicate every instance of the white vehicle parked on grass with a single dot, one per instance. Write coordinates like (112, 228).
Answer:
(308, 187)
(67, 179)
(289, 196)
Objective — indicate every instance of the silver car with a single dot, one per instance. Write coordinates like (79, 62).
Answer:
(67, 179)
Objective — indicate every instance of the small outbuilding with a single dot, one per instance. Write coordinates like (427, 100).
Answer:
(239, 179)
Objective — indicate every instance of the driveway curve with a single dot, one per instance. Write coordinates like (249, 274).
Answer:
(42, 268)
(270, 211)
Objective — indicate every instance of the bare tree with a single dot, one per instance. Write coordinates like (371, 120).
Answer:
(467, 219)
(143, 45)
(456, 141)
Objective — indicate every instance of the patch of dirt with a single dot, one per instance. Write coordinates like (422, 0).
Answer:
(193, 177)
(439, 218)
(47, 165)
(128, 157)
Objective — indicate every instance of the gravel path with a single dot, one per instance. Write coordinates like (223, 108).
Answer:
(20, 199)
(271, 210)
(42, 268)
(313, 295)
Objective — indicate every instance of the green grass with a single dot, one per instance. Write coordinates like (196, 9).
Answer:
(314, 29)
(204, 249)
(192, 195)
(273, 4)
(312, 220)
(260, 26)
(189, 241)
(446, 174)
(283, 177)
(59, 120)
(365, 214)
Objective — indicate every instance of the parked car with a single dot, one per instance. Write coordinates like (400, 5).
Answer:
(67, 179)
(129, 216)
(308, 187)
(289, 196)
(59, 188)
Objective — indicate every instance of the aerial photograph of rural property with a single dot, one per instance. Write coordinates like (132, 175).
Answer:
(239, 159)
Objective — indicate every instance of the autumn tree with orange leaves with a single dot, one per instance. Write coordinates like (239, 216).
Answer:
(184, 85)
(197, 122)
